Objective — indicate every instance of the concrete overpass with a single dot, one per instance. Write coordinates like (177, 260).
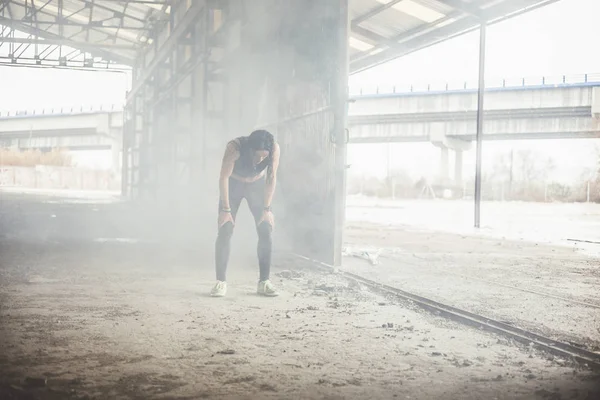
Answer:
(445, 115)
(544, 108)
(96, 128)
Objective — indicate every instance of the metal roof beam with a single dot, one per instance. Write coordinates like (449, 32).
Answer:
(149, 2)
(64, 42)
(372, 36)
(466, 8)
(410, 34)
(166, 49)
(71, 43)
(373, 12)
(60, 20)
(92, 24)
(429, 35)
(103, 7)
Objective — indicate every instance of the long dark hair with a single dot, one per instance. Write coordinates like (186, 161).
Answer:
(262, 140)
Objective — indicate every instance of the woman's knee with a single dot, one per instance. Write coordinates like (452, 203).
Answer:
(264, 230)
(226, 230)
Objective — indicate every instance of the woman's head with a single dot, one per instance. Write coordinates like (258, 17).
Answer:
(261, 142)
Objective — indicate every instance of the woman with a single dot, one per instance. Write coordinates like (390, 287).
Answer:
(249, 170)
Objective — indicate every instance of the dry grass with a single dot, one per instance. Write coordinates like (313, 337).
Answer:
(31, 158)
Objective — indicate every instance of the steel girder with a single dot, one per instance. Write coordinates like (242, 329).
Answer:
(77, 33)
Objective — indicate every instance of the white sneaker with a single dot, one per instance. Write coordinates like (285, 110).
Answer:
(266, 288)
(219, 290)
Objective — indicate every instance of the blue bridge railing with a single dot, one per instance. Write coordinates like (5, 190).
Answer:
(68, 110)
(510, 83)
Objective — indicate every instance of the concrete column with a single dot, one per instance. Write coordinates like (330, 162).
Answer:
(444, 165)
(458, 167)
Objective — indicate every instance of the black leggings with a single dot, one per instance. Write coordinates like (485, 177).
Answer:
(254, 195)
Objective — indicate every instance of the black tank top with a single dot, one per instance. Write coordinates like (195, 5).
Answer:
(244, 165)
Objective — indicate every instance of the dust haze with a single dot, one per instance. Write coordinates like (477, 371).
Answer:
(105, 276)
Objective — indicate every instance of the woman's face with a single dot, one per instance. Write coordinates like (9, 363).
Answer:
(260, 155)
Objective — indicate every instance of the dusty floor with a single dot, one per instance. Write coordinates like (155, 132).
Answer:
(549, 285)
(131, 320)
(549, 290)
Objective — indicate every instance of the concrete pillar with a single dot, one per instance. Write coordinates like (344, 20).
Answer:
(458, 167)
(444, 165)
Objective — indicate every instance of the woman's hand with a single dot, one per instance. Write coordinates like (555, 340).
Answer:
(268, 218)
(225, 217)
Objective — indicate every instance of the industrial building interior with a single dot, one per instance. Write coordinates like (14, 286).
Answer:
(109, 299)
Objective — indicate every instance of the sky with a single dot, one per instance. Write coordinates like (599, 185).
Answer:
(25, 88)
(551, 41)
(554, 40)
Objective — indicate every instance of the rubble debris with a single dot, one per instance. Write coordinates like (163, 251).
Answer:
(35, 382)
(226, 352)
(325, 288)
(289, 274)
(366, 254)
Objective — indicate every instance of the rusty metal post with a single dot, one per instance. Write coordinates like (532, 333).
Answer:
(341, 139)
(480, 97)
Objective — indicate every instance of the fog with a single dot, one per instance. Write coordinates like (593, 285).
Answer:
(108, 219)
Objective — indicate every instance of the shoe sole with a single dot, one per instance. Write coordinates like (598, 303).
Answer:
(217, 295)
(268, 295)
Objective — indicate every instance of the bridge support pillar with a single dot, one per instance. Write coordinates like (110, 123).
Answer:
(446, 143)
(444, 165)
(458, 167)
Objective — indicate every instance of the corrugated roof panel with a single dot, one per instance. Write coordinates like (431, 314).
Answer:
(417, 10)
(437, 6)
(128, 21)
(97, 37)
(359, 8)
(352, 51)
(402, 16)
(70, 6)
(359, 44)
(139, 11)
(424, 34)
(122, 7)
(391, 22)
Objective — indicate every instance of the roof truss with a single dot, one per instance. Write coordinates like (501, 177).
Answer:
(77, 33)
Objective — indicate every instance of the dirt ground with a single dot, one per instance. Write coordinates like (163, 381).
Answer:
(124, 320)
(521, 269)
(550, 290)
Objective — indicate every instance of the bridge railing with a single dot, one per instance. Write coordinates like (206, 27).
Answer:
(508, 83)
(66, 110)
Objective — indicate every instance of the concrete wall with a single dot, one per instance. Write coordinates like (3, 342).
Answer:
(45, 177)
(284, 71)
